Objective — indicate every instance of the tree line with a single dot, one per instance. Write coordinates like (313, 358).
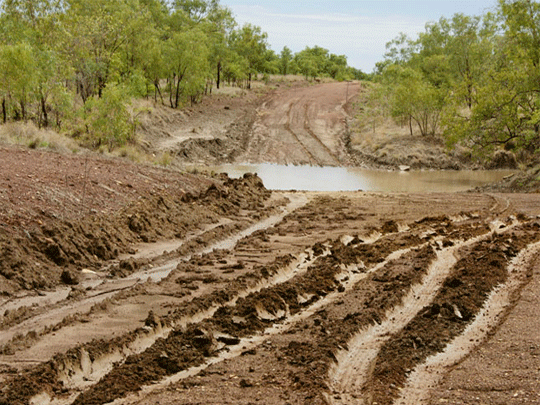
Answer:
(77, 64)
(474, 79)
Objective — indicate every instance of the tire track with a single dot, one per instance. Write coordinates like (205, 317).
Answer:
(297, 138)
(406, 257)
(286, 305)
(314, 136)
(351, 276)
(427, 376)
(501, 204)
(355, 365)
(319, 283)
(78, 369)
(303, 289)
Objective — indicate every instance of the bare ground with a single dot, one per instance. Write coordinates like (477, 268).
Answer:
(131, 284)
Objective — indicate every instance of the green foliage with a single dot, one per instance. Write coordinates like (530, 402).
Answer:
(319, 62)
(17, 79)
(285, 61)
(250, 44)
(56, 55)
(107, 120)
(480, 74)
(413, 97)
(186, 54)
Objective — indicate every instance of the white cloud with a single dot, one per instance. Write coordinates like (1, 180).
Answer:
(357, 29)
(361, 38)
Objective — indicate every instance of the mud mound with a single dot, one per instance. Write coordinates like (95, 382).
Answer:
(36, 255)
(523, 182)
(461, 297)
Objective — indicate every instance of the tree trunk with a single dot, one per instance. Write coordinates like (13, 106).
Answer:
(44, 111)
(158, 90)
(177, 97)
(218, 74)
(4, 111)
(180, 77)
(410, 125)
(101, 86)
(23, 110)
(171, 90)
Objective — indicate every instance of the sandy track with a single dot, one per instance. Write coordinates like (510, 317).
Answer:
(301, 126)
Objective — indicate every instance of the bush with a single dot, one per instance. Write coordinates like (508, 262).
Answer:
(107, 120)
(503, 159)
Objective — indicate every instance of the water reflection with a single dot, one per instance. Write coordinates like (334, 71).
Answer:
(312, 178)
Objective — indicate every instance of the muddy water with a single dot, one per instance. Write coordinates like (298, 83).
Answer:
(313, 178)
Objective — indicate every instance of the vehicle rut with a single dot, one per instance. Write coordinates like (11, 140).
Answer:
(361, 374)
(428, 375)
(353, 366)
(325, 147)
(297, 138)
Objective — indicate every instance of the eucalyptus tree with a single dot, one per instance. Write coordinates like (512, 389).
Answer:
(506, 111)
(17, 77)
(251, 45)
(32, 68)
(411, 96)
(187, 61)
(521, 20)
(97, 33)
(285, 60)
(441, 73)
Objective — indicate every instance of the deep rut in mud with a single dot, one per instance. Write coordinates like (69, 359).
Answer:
(333, 304)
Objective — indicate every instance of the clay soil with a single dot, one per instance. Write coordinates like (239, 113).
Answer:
(132, 284)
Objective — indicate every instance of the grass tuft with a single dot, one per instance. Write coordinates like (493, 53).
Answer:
(27, 134)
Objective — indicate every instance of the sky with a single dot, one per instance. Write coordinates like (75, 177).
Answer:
(358, 29)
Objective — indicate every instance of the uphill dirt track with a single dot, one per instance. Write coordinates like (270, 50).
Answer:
(210, 290)
(304, 126)
(288, 125)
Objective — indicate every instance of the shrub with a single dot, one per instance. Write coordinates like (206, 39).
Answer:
(107, 120)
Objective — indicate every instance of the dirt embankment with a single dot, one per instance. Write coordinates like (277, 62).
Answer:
(62, 214)
(294, 123)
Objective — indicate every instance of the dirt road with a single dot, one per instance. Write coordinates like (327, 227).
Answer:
(130, 284)
(304, 126)
(334, 300)
(290, 125)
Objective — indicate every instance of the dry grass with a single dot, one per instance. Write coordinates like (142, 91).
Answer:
(30, 136)
(164, 159)
(392, 144)
(27, 134)
(377, 134)
(131, 152)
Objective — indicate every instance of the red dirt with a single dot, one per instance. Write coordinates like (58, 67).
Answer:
(257, 296)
